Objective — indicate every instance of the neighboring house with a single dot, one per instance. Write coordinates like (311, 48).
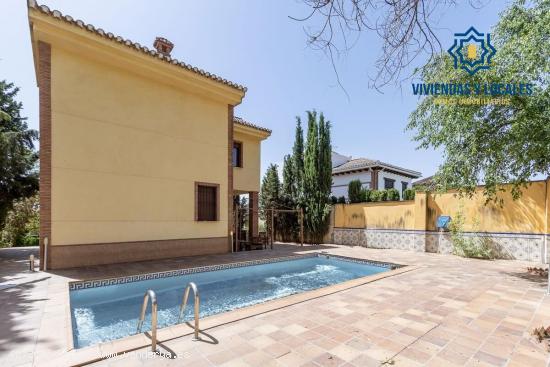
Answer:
(140, 154)
(373, 174)
(427, 183)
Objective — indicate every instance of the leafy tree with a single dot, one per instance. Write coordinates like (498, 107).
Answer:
(4, 116)
(496, 143)
(333, 200)
(21, 224)
(317, 177)
(354, 191)
(18, 176)
(342, 200)
(298, 161)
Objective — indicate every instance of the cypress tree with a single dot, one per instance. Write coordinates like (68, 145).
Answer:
(289, 187)
(298, 161)
(354, 191)
(270, 190)
(317, 177)
(325, 159)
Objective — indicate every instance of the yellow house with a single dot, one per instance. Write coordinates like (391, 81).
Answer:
(140, 154)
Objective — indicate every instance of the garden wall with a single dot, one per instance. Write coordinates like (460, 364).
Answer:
(519, 229)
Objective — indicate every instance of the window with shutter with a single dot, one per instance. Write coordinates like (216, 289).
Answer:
(206, 202)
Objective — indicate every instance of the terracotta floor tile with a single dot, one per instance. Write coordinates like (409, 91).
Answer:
(485, 311)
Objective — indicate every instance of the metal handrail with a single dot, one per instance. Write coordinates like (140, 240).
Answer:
(193, 286)
(149, 294)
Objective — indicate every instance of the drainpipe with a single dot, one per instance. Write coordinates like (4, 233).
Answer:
(45, 267)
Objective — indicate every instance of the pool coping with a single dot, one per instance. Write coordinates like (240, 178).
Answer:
(98, 352)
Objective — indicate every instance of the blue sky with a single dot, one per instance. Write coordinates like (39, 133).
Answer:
(256, 44)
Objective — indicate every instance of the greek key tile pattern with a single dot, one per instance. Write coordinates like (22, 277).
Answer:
(77, 285)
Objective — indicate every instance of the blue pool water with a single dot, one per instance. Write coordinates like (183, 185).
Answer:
(111, 312)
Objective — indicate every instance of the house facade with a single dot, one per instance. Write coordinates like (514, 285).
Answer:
(140, 154)
(373, 174)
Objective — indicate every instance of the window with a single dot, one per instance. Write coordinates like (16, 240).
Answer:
(206, 202)
(404, 186)
(388, 183)
(237, 154)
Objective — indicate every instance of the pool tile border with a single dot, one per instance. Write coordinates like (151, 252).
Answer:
(95, 283)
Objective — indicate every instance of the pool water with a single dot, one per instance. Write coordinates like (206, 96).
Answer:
(111, 312)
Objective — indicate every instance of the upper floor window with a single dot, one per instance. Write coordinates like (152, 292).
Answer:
(237, 156)
(389, 183)
(206, 202)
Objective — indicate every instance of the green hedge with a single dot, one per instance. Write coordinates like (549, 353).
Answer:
(408, 194)
(392, 195)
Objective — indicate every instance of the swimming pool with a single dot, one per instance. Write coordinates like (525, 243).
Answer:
(103, 310)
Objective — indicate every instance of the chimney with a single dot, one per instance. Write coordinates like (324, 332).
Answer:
(163, 46)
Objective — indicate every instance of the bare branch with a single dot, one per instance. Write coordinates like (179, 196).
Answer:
(406, 28)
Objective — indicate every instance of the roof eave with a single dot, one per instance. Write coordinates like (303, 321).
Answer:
(252, 131)
(404, 172)
(111, 49)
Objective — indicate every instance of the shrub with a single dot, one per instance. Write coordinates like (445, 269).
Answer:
(333, 200)
(365, 195)
(408, 194)
(378, 195)
(354, 191)
(342, 200)
(469, 246)
(22, 223)
(392, 195)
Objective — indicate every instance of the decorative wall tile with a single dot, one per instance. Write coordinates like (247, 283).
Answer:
(527, 247)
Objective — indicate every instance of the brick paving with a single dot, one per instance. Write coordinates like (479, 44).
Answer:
(448, 312)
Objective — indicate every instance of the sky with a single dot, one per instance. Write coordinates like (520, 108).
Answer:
(258, 45)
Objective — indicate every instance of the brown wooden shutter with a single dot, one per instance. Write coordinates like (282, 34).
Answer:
(207, 206)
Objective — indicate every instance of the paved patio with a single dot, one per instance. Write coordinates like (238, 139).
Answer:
(449, 311)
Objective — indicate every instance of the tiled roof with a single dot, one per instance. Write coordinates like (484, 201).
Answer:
(365, 163)
(426, 181)
(240, 121)
(357, 163)
(136, 46)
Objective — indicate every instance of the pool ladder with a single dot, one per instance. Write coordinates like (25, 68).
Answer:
(192, 286)
(150, 294)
